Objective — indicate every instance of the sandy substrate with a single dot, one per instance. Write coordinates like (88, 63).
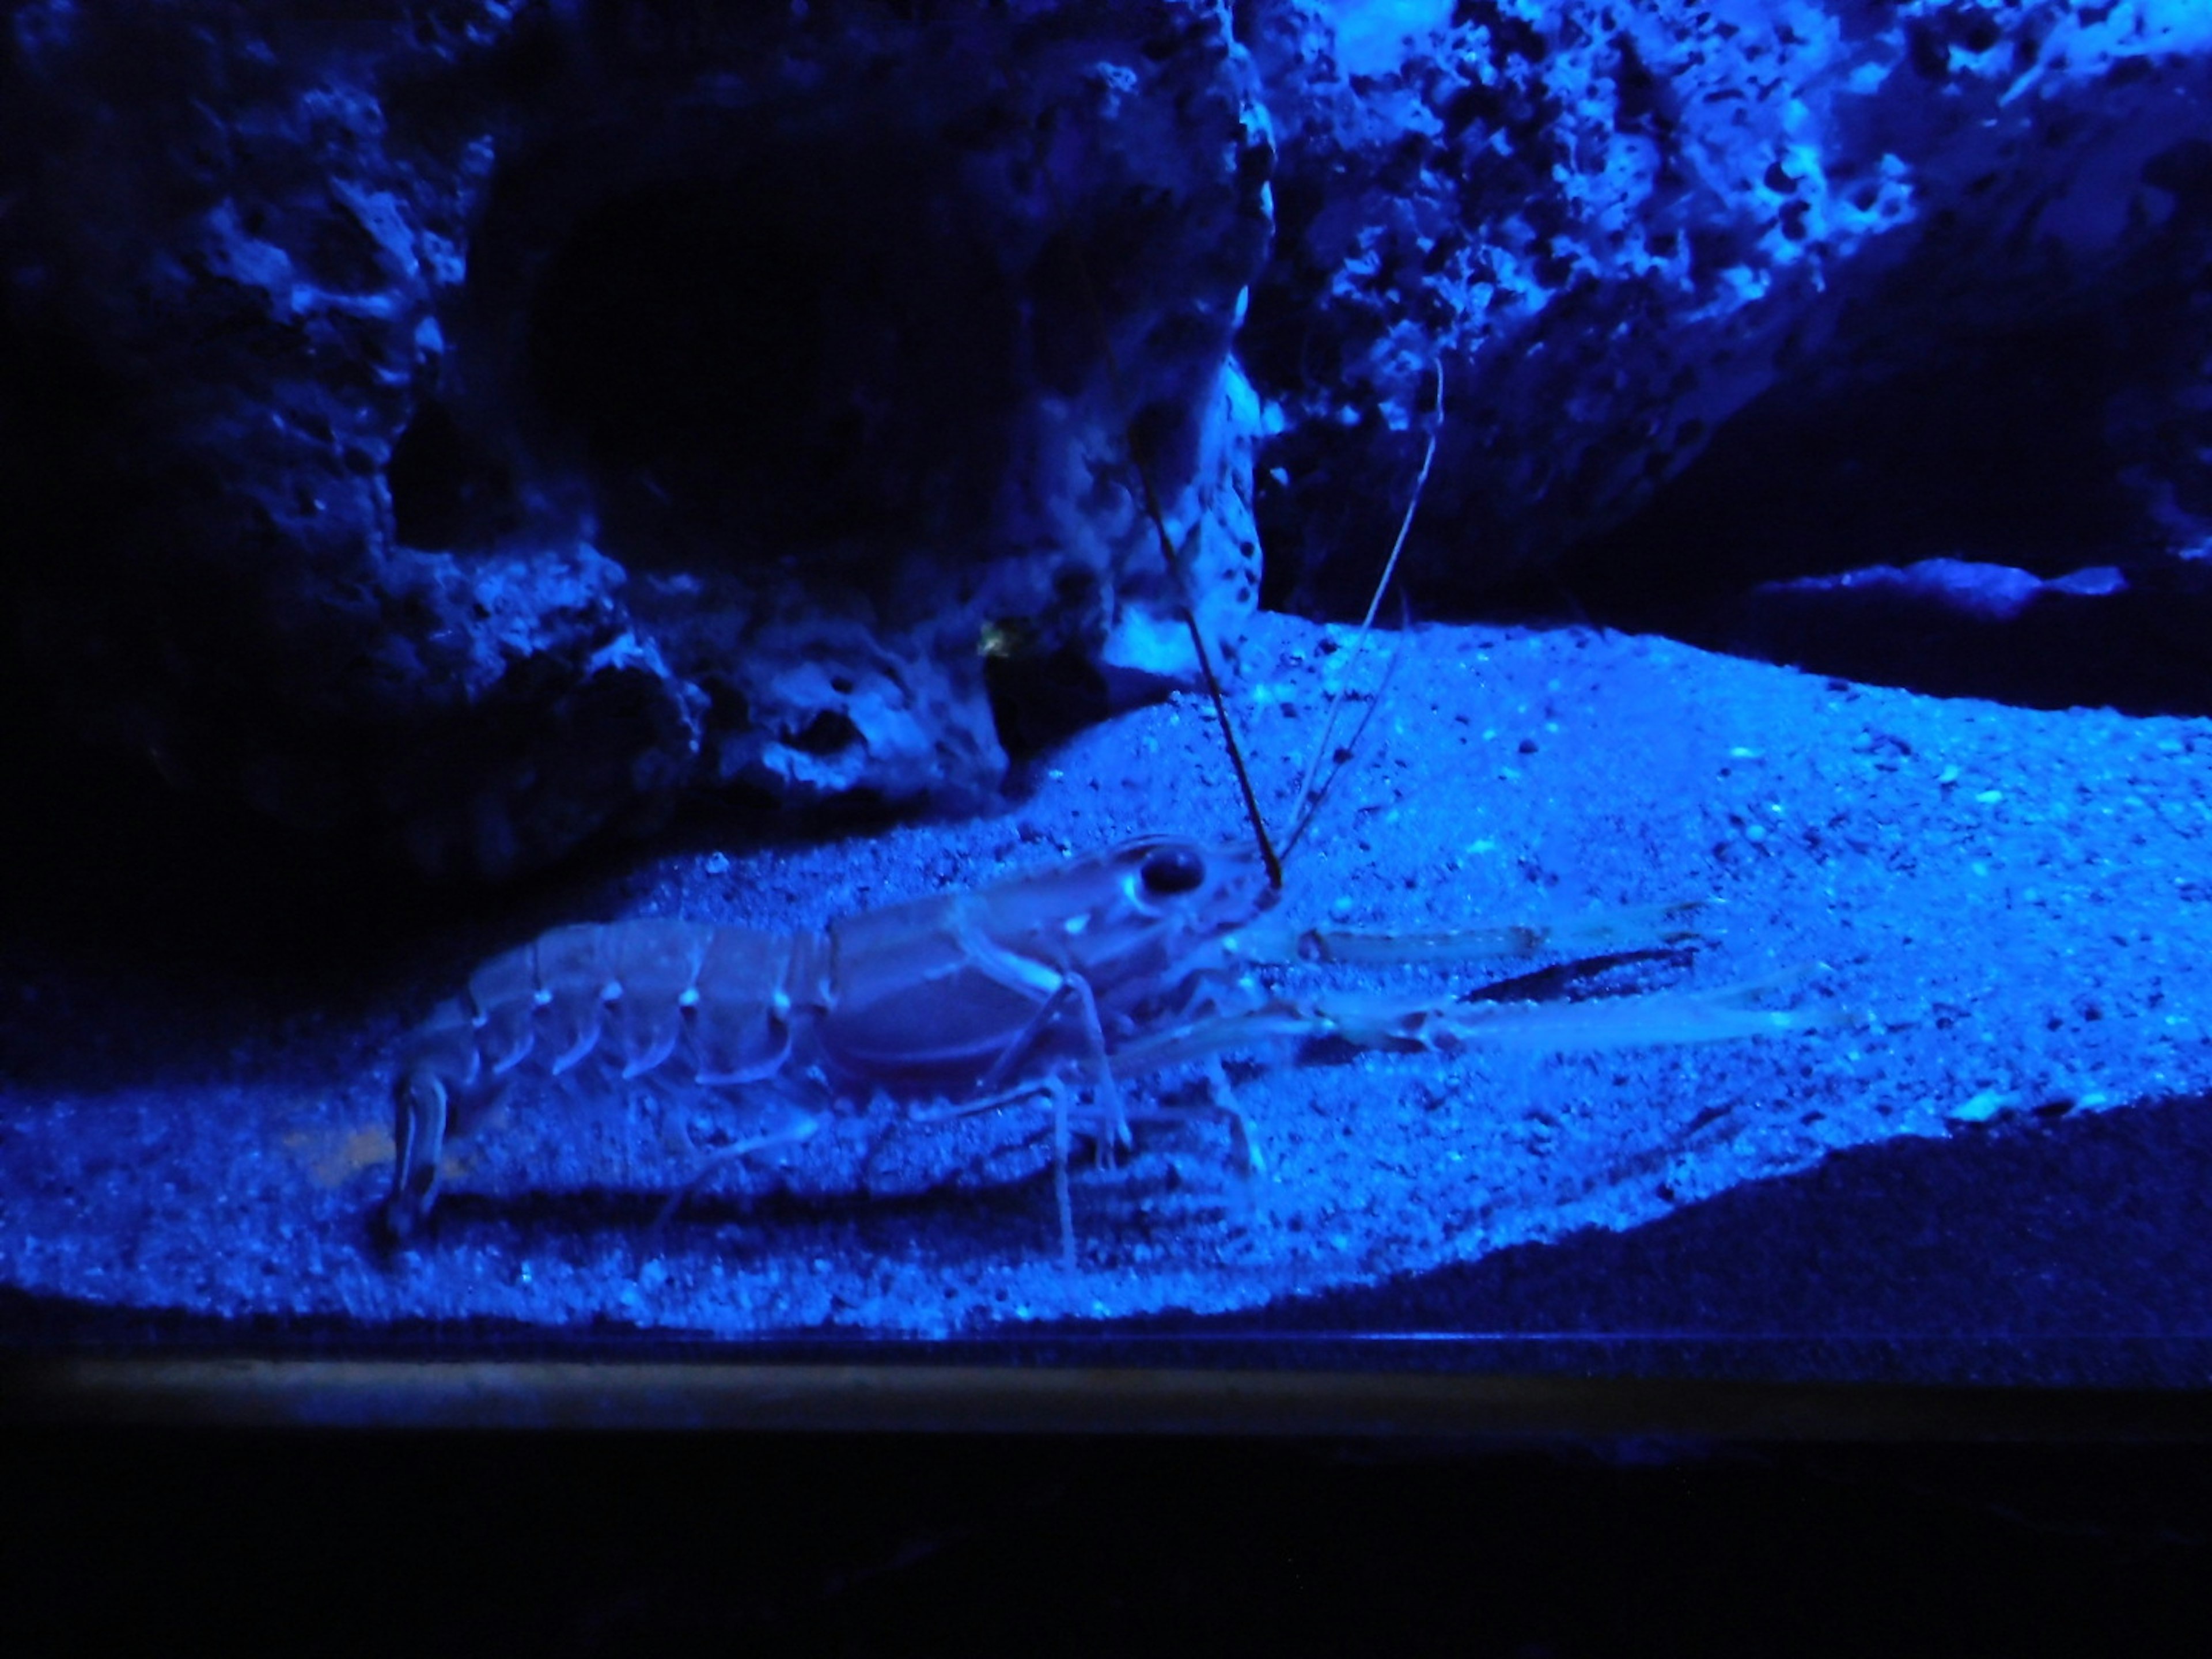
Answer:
(1983, 911)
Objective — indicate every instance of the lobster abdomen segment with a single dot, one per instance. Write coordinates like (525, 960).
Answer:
(724, 1001)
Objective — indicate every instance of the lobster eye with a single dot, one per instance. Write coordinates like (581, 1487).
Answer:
(1173, 870)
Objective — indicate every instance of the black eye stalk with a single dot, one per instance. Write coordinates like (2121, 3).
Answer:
(1176, 870)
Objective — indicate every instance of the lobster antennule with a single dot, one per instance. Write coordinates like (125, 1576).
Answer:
(1311, 798)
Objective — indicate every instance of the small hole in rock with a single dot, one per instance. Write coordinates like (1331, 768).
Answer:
(827, 733)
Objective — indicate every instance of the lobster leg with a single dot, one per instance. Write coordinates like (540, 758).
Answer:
(1075, 989)
(1055, 1092)
(793, 1130)
(1221, 1103)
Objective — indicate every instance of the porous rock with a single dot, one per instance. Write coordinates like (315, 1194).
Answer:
(481, 423)
(485, 424)
(1617, 231)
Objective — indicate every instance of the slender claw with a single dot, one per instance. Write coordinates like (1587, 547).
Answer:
(1666, 1017)
(1273, 941)
(1413, 1025)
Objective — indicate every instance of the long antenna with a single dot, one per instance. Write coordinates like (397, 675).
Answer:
(1178, 572)
(1310, 797)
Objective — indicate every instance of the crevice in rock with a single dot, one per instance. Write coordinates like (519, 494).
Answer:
(807, 356)
(1965, 526)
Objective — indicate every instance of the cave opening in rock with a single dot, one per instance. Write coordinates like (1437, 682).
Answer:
(1972, 524)
(814, 359)
(1992, 448)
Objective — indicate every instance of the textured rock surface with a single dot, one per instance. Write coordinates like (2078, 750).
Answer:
(483, 422)
(1617, 228)
(481, 425)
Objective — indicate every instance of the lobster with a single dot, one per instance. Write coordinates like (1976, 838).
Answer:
(1053, 986)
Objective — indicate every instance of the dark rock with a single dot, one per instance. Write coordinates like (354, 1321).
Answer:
(481, 425)
(1617, 230)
